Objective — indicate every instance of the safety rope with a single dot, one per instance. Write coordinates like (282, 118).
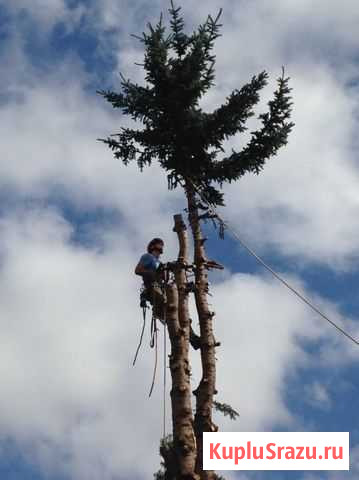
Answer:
(164, 378)
(153, 344)
(212, 210)
(164, 358)
(153, 331)
(144, 308)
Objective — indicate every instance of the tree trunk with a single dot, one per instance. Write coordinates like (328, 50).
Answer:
(178, 324)
(207, 386)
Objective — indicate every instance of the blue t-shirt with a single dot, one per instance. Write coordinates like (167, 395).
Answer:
(150, 262)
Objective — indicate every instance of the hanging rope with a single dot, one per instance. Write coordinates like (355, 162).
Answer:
(153, 331)
(166, 279)
(142, 332)
(212, 210)
(153, 344)
(153, 341)
(164, 377)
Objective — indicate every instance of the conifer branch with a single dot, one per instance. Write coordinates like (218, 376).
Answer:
(226, 409)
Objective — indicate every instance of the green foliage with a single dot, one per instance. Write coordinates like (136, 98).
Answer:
(169, 467)
(179, 70)
(226, 410)
(168, 470)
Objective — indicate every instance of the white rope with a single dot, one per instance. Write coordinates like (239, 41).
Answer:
(212, 210)
(299, 295)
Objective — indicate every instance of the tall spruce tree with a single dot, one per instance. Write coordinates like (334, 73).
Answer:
(188, 144)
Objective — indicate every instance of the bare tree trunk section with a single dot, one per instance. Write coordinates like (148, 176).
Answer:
(178, 324)
(207, 386)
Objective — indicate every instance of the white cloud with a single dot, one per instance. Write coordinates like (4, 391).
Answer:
(261, 328)
(317, 395)
(349, 475)
(46, 13)
(70, 322)
(50, 148)
(320, 159)
(69, 316)
(69, 327)
(304, 201)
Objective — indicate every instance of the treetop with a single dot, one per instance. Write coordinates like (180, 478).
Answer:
(175, 131)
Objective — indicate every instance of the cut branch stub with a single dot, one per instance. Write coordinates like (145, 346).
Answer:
(179, 223)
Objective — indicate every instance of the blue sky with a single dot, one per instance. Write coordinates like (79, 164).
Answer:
(74, 221)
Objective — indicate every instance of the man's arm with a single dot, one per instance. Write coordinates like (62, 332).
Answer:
(147, 267)
(141, 270)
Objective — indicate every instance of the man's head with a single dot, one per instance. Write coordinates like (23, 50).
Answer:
(155, 247)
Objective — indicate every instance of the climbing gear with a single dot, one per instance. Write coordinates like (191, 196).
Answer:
(146, 296)
(154, 329)
(150, 295)
(143, 304)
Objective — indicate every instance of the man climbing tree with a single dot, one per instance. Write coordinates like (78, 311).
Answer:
(187, 142)
(152, 272)
(149, 268)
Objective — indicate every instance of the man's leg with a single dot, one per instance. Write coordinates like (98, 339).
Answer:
(158, 303)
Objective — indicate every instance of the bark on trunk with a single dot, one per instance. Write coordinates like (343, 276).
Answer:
(207, 386)
(178, 324)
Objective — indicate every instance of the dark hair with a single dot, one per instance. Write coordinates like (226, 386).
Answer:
(154, 242)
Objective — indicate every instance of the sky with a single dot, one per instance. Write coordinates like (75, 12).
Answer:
(74, 222)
